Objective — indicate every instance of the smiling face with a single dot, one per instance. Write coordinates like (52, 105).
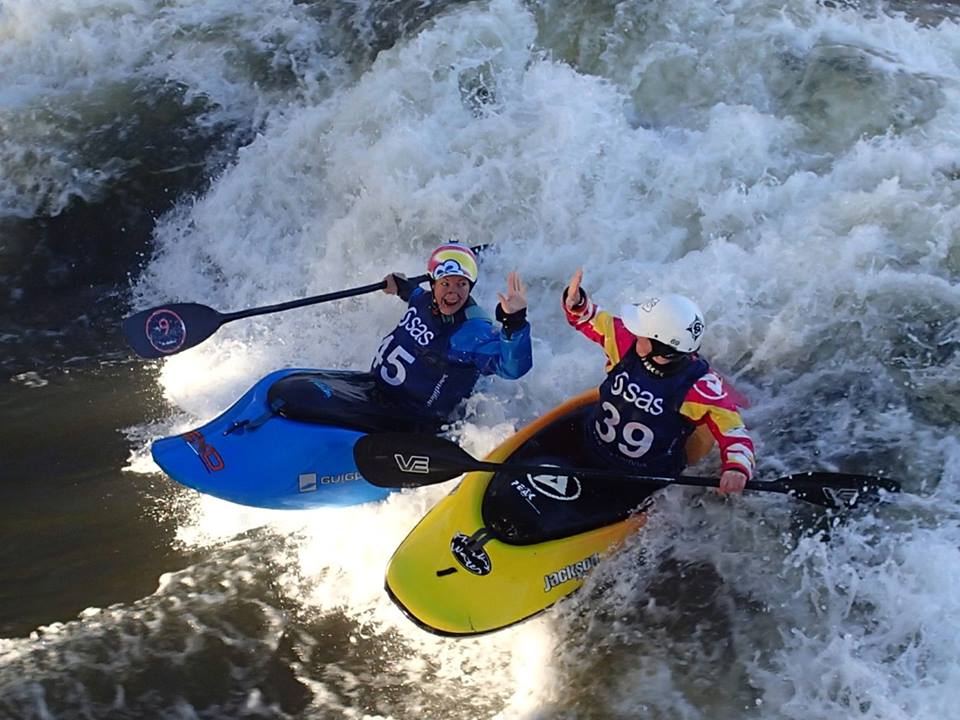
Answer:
(450, 293)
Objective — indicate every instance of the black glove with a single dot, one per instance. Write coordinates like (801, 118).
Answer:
(405, 287)
(581, 300)
(511, 321)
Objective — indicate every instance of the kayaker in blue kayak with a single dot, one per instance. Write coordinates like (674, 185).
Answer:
(658, 389)
(444, 342)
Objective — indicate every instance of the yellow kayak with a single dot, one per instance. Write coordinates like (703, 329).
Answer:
(503, 546)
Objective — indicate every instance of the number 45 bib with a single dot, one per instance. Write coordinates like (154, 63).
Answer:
(411, 366)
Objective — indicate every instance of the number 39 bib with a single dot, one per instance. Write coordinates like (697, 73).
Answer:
(637, 423)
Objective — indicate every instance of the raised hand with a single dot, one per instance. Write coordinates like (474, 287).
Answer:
(516, 296)
(573, 289)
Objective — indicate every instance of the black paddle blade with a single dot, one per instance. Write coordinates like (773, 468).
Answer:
(832, 490)
(409, 460)
(169, 329)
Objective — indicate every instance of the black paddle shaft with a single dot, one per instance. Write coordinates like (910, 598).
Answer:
(303, 302)
(407, 460)
(168, 329)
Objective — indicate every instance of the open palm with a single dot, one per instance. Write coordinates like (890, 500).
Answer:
(516, 296)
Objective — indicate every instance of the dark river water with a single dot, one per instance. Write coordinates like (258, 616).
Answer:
(793, 166)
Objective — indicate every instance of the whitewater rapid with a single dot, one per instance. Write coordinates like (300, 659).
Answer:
(793, 167)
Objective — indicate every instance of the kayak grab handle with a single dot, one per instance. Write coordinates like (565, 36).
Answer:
(240, 426)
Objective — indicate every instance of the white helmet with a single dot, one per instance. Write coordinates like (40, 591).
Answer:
(673, 320)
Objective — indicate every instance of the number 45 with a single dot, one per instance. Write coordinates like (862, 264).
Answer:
(392, 369)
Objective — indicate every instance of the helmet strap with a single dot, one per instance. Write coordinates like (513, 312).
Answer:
(672, 367)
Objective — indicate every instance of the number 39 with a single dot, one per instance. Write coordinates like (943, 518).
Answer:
(637, 437)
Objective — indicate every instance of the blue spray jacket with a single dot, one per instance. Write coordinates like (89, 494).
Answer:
(431, 362)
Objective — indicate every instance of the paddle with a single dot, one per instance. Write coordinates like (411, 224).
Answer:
(168, 329)
(408, 460)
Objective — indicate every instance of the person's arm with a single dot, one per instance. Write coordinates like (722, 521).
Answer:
(598, 325)
(709, 403)
(491, 351)
(507, 352)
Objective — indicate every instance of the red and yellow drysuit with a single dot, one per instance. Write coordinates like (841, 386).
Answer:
(643, 417)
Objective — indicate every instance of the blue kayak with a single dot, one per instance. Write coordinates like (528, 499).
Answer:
(287, 443)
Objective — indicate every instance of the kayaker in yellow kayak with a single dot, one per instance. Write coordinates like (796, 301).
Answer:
(658, 389)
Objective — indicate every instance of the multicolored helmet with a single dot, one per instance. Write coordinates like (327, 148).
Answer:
(453, 259)
(673, 320)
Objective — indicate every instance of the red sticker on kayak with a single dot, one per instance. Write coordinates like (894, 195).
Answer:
(207, 453)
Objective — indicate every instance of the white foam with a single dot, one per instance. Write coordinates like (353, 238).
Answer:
(821, 262)
(67, 70)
